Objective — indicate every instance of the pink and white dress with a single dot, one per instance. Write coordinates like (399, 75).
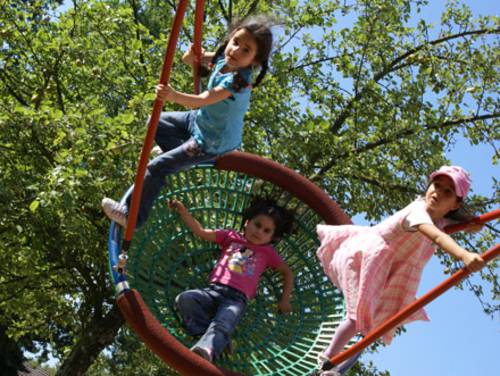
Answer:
(378, 269)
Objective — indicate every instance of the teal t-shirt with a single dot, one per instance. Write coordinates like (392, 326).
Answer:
(218, 128)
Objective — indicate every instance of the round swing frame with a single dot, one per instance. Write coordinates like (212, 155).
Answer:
(267, 343)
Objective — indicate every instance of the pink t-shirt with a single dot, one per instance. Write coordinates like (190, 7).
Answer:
(241, 263)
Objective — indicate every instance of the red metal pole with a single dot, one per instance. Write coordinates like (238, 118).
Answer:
(153, 123)
(425, 299)
(477, 220)
(198, 28)
(410, 309)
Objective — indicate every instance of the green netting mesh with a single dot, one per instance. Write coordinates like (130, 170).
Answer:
(166, 259)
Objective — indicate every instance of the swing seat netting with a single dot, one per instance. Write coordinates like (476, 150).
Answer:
(165, 258)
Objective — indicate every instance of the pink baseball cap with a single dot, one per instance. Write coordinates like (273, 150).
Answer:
(460, 178)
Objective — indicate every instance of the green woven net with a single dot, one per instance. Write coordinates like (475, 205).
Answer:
(166, 259)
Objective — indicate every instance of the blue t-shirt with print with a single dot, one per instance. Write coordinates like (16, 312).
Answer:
(218, 128)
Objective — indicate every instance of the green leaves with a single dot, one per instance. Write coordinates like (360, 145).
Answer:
(33, 206)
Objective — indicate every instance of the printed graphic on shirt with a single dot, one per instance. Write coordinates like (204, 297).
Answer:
(241, 260)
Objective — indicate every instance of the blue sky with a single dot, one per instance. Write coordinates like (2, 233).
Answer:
(460, 340)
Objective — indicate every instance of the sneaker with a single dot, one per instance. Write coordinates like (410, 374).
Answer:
(202, 352)
(156, 151)
(330, 372)
(325, 367)
(115, 211)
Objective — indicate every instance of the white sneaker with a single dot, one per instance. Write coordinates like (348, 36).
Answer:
(115, 211)
(156, 151)
(202, 352)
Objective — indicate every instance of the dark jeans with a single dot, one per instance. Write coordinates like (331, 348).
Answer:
(180, 152)
(214, 312)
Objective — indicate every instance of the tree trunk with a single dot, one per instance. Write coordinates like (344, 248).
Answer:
(97, 336)
(11, 356)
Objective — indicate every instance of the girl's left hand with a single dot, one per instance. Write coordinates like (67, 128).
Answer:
(475, 227)
(176, 205)
(473, 261)
(165, 93)
(284, 306)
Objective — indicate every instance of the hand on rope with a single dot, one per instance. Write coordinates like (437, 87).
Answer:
(474, 227)
(189, 56)
(473, 262)
(121, 264)
(165, 93)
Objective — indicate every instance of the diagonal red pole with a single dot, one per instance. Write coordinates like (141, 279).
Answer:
(198, 27)
(476, 220)
(406, 312)
(153, 123)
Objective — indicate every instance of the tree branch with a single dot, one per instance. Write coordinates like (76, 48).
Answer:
(224, 12)
(10, 89)
(395, 64)
(404, 133)
(376, 182)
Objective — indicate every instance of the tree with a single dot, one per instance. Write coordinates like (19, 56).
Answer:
(375, 105)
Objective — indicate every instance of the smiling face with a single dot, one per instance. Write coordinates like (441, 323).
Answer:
(440, 197)
(241, 50)
(260, 229)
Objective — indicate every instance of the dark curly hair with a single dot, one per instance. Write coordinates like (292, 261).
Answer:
(260, 28)
(284, 219)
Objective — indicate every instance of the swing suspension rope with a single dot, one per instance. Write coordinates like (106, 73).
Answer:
(155, 116)
(130, 301)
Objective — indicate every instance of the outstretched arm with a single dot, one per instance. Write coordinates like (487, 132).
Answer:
(208, 97)
(191, 222)
(284, 304)
(472, 261)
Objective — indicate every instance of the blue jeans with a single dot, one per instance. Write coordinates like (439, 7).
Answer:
(180, 151)
(213, 312)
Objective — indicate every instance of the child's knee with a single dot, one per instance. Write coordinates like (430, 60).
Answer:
(183, 300)
(187, 300)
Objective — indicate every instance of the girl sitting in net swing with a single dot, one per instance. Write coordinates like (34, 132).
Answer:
(216, 126)
(214, 311)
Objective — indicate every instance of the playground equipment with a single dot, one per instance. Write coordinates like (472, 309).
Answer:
(166, 259)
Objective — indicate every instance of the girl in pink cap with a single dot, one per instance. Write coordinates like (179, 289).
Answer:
(378, 268)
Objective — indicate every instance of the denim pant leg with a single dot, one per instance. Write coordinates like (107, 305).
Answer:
(174, 128)
(185, 155)
(196, 308)
(229, 312)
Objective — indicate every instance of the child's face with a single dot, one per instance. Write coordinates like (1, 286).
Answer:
(260, 229)
(440, 197)
(241, 50)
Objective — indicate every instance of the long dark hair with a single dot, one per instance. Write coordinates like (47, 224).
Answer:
(260, 28)
(462, 214)
(283, 218)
